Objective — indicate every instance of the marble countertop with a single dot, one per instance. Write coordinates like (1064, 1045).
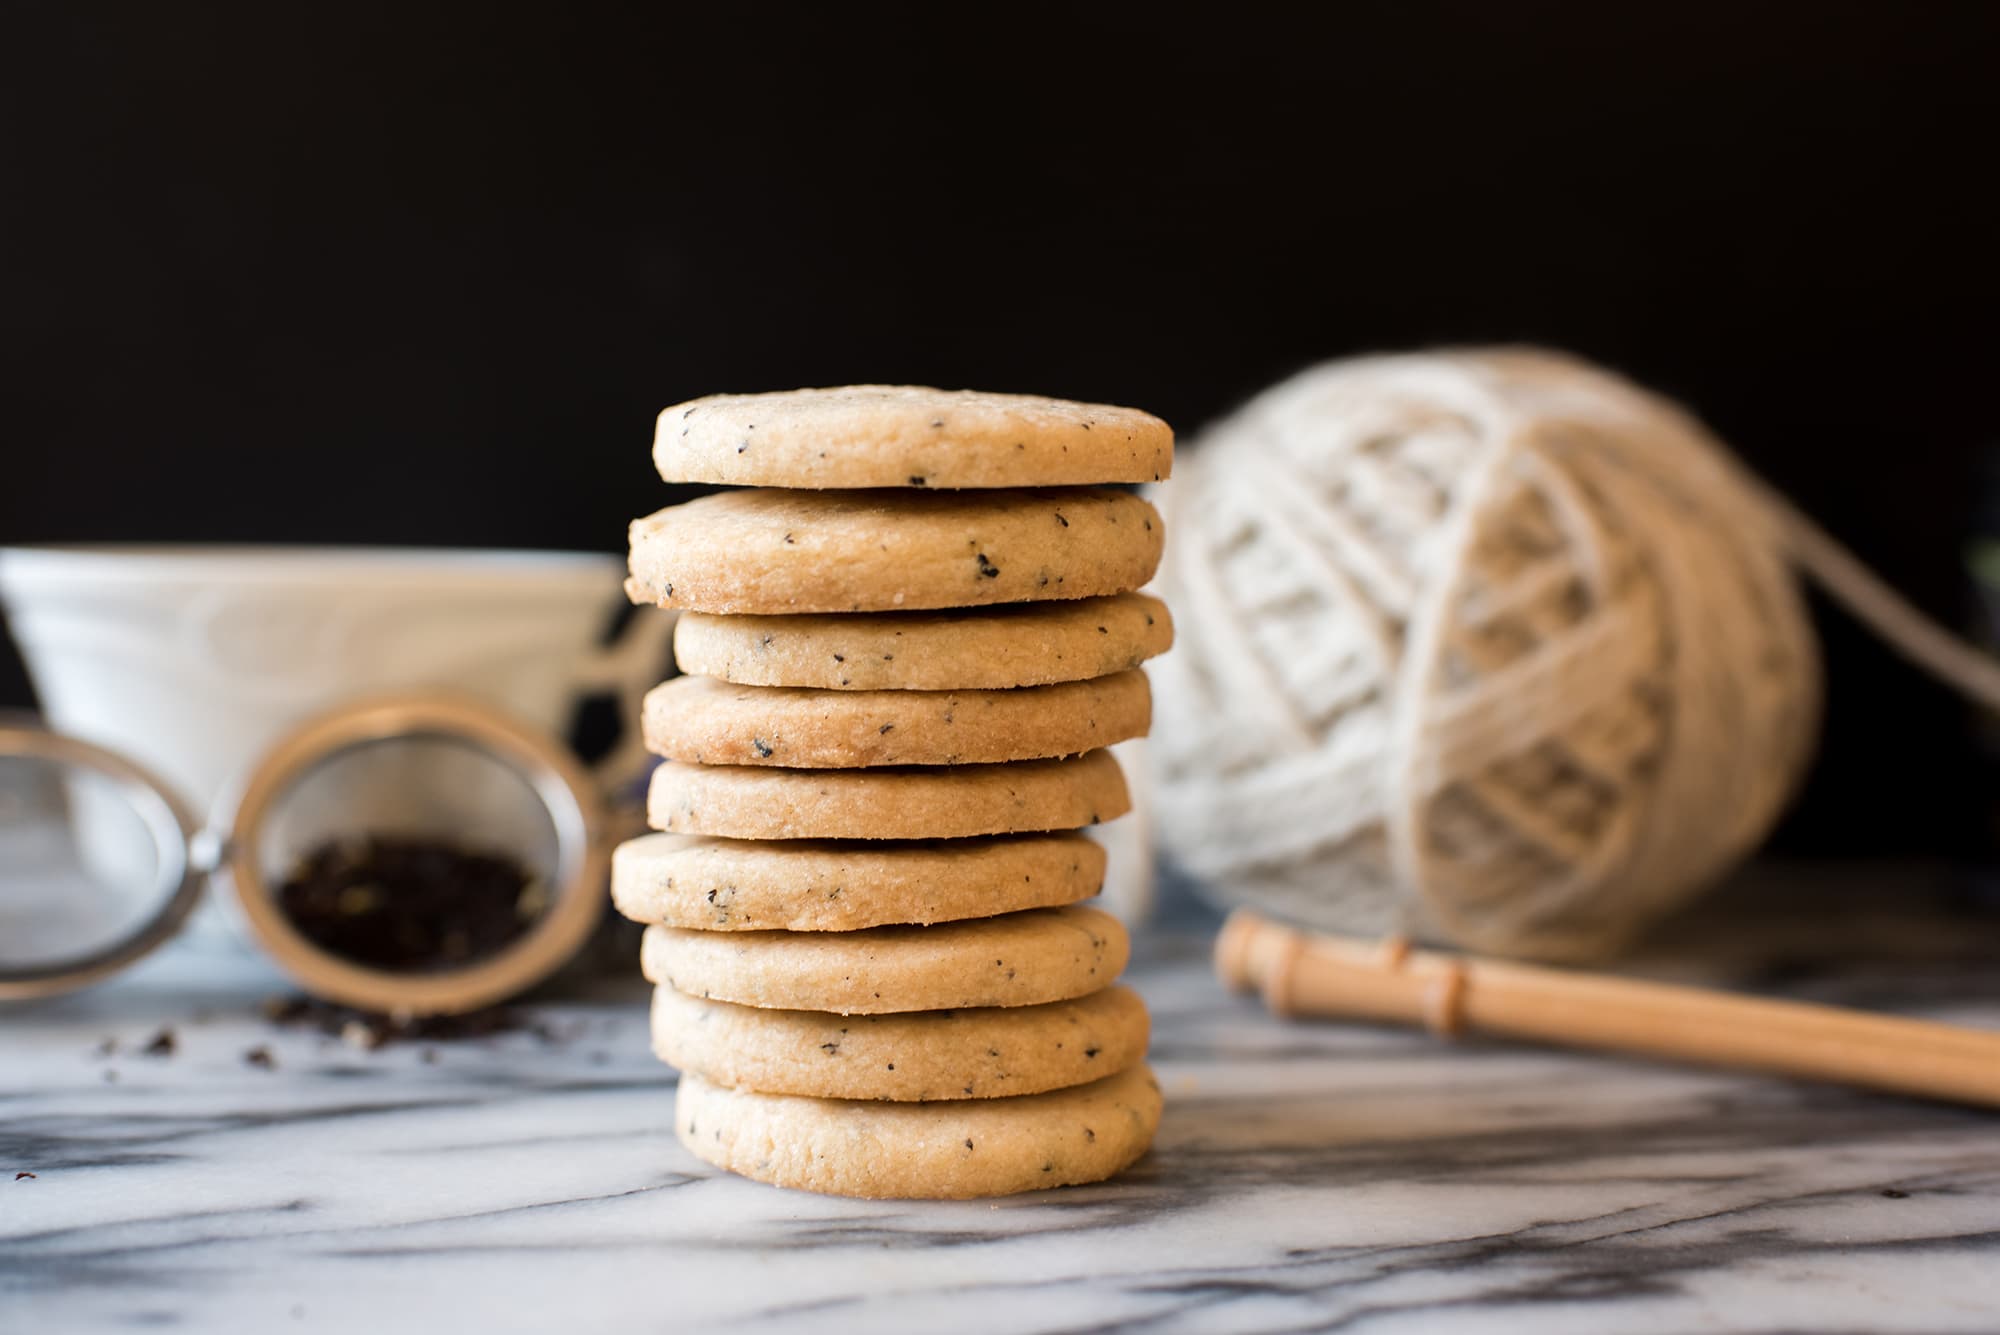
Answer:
(1307, 1176)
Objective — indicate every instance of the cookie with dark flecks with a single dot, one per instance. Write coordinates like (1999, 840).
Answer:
(915, 802)
(923, 1151)
(985, 648)
(806, 885)
(771, 551)
(988, 1052)
(714, 722)
(907, 436)
(1020, 959)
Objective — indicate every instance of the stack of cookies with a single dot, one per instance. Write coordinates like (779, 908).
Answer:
(907, 641)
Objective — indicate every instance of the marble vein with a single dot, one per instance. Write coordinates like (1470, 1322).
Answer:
(1307, 1178)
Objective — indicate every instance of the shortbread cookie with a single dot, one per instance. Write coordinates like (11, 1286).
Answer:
(922, 1151)
(737, 885)
(988, 648)
(907, 436)
(965, 1054)
(934, 802)
(1022, 959)
(714, 722)
(874, 551)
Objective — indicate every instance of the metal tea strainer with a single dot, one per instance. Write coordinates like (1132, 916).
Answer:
(101, 862)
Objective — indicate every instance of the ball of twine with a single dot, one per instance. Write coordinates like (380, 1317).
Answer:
(1489, 646)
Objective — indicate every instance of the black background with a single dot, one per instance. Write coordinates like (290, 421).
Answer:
(317, 273)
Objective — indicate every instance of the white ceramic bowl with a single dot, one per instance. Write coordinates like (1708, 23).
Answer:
(192, 659)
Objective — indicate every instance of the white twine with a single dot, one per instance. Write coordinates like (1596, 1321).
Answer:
(1488, 645)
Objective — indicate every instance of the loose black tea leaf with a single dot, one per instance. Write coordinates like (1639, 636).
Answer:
(410, 905)
(163, 1044)
(369, 1030)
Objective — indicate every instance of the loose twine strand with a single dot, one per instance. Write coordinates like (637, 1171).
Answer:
(1919, 639)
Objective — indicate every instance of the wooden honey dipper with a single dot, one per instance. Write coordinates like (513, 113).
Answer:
(1311, 973)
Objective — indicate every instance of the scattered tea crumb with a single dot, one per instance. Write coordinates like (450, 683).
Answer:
(163, 1044)
(19, 1176)
(369, 1030)
(1895, 1195)
(108, 1048)
(260, 1057)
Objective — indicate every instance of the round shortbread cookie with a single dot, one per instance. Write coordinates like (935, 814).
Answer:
(988, 648)
(907, 436)
(746, 885)
(923, 802)
(922, 1151)
(988, 1053)
(1021, 959)
(770, 551)
(714, 722)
